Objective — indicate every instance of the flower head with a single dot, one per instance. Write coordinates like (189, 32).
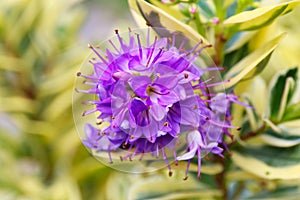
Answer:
(150, 95)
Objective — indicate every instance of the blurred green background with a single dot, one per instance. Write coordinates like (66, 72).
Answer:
(42, 46)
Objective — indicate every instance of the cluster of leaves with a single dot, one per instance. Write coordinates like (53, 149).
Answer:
(41, 156)
(40, 153)
(266, 155)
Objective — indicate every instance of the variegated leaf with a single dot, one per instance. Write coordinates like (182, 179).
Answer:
(260, 17)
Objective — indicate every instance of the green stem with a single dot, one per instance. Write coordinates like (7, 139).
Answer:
(199, 24)
(220, 41)
(252, 134)
(238, 191)
(220, 178)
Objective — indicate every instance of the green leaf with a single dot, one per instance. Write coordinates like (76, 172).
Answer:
(281, 89)
(171, 10)
(206, 10)
(292, 112)
(283, 139)
(238, 40)
(269, 162)
(291, 127)
(145, 13)
(251, 113)
(247, 66)
(287, 193)
(260, 17)
(171, 189)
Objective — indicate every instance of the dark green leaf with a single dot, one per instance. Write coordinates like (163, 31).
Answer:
(283, 139)
(234, 57)
(273, 156)
(277, 90)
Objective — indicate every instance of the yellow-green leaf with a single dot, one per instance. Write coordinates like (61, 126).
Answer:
(247, 65)
(291, 127)
(269, 162)
(171, 189)
(171, 10)
(238, 40)
(144, 12)
(279, 142)
(260, 17)
(286, 137)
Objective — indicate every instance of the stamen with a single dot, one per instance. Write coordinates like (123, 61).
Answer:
(169, 40)
(97, 53)
(140, 46)
(182, 44)
(222, 125)
(187, 170)
(175, 157)
(199, 162)
(154, 91)
(157, 56)
(86, 76)
(195, 56)
(173, 40)
(128, 155)
(148, 122)
(89, 102)
(212, 84)
(119, 38)
(100, 122)
(197, 53)
(142, 155)
(114, 46)
(196, 46)
(148, 35)
(233, 98)
(89, 83)
(167, 161)
(87, 112)
(90, 91)
(110, 158)
(228, 134)
(151, 52)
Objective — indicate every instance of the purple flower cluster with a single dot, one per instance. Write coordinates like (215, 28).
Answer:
(150, 95)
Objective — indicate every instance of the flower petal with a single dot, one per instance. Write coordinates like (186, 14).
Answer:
(189, 155)
(158, 112)
(139, 85)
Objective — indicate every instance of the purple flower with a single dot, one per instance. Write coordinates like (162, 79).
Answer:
(152, 94)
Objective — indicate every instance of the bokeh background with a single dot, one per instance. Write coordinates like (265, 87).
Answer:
(42, 45)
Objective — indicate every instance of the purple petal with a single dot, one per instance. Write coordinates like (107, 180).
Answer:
(189, 155)
(91, 132)
(139, 85)
(158, 112)
(168, 82)
(102, 71)
(168, 99)
(219, 103)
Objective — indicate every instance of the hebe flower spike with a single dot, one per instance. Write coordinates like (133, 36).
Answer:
(150, 99)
